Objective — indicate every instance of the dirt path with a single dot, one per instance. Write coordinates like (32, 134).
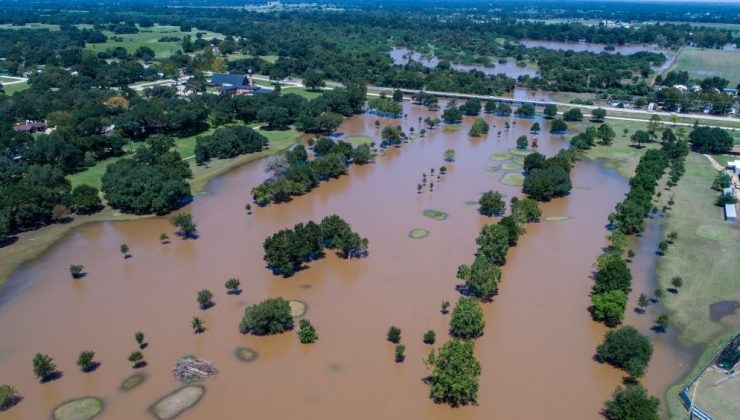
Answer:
(714, 163)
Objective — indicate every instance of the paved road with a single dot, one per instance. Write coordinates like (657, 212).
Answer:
(638, 112)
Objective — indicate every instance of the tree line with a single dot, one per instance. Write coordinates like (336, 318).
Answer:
(288, 249)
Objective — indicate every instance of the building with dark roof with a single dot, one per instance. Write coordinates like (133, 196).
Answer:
(236, 84)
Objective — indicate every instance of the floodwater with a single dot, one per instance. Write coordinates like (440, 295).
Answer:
(581, 46)
(401, 56)
(536, 352)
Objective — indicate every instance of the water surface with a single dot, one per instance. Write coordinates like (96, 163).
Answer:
(539, 339)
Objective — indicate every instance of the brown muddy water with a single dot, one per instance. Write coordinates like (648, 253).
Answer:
(539, 339)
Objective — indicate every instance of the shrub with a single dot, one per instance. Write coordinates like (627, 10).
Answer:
(430, 337)
(306, 332)
(394, 334)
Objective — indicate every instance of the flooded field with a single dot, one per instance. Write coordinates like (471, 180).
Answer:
(402, 56)
(585, 46)
(536, 352)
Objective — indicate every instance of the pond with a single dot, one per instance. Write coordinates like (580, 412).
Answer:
(539, 339)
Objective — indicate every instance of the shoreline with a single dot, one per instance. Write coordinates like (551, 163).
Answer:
(33, 244)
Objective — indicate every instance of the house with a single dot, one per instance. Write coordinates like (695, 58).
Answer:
(734, 166)
(730, 213)
(651, 107)
(695, 88)
(236, 84)
(730, 91)
(30, 127)
(681, 88)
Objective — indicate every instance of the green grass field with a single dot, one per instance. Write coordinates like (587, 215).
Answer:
(149, 37)
(48, 26)
(701, 63)
(308, 94)
(278, 140)
(15, 87)
(705, 255)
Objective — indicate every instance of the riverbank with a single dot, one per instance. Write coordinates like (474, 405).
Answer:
(32, 244)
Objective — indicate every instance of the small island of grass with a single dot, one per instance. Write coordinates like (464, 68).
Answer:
(435, 214)
(501, 156)
(418, 233)
(79, 409)
(133, 381)
(511, 166)
(245, 354)
(513, 178)
(172, 405)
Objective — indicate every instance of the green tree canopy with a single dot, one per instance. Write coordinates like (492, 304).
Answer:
(627, 349)
(271, 316)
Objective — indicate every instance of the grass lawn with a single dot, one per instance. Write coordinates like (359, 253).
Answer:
(31, 244)
(48, 26)
(705, 255)
(15, 87)
(308, 94)
(702, 63)
(621, 155)
(149, 37)
(278, 140)
(356, 140)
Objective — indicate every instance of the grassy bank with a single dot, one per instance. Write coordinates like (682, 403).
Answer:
(149, 37)
(621, 155)
(704, 255)
(32, 244)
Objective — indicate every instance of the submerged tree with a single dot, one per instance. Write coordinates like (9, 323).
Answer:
(449, 155)
(139, 337)
(455, 373)
(197, 325)
(8, 397)
(631, 403)
(491, 202)
(306, 332)
(86, 360)
(232, 286)
(43, 366)
(204, 298)
(184, 224)
(429, 337)
(137, 358)
(124, 251)
(467, 319)
(271, 316)
(394, 334)
(627, 349)
(400, 351)
(76, 271)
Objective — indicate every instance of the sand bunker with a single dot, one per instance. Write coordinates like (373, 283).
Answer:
(297, 308)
